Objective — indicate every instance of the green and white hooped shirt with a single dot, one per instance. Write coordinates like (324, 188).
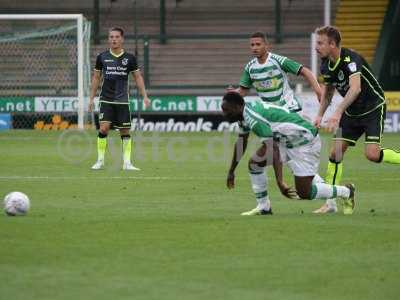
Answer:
(273, 121)
(270, 80)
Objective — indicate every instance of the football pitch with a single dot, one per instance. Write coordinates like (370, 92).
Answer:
(173, 230)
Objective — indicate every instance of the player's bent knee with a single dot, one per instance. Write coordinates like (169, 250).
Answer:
(104, 128)
(255, 167)
(124, 131)
(336, 157)
(337, 153)
(103, 131)
(304, 192)
(373, 156)
(303, 195)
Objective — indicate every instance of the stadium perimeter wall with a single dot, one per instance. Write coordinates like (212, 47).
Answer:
(167, 113)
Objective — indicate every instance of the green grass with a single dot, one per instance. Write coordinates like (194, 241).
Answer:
(173, 231)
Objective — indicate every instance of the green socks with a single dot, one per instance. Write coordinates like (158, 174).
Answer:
(390, 156)
(126, 148)
(101, 146)
(328, 191)
(334, 172)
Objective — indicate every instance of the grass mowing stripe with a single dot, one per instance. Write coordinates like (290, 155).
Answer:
(174, 231)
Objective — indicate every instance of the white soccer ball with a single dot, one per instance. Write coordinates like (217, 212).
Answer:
(16, 204)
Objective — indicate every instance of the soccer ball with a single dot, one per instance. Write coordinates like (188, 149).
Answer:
(16, 204)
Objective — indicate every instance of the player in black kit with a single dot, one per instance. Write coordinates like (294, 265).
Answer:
(362, 110)
(115, 65)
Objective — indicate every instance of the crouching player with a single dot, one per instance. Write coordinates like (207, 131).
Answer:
(299, 145)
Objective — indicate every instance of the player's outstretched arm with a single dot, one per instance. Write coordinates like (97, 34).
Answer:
(238, 152)
(351, 95)
(327, 95)
(286, 190)
(93, 90)
(312, 81)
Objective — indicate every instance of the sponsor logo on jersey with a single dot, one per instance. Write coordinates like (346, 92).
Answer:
(108, 60)
(125, 61)
(347, 59)
(340, 75)
(352, 67)
(268, 84)
(265, 84)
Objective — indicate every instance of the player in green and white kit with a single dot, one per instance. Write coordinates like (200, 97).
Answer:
(299, 145)
(267, 73)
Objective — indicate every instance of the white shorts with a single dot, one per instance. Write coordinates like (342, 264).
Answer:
(303, 160)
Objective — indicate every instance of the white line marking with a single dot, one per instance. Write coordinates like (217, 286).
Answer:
(106, 178)
(94, 177)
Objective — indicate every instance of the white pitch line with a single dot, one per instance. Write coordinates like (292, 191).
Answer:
(106, 178)
(187, 178)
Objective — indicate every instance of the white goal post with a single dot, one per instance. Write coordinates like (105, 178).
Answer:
(81, 53)
(313, 38)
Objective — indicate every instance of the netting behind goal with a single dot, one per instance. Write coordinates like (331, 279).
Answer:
(39, 73)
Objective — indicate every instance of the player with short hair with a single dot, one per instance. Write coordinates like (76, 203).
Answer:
(267, 73)
(362, 109)
(115, 65)
(299, 146)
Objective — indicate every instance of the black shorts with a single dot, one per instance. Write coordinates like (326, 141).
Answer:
(117, 114)
(372, 124)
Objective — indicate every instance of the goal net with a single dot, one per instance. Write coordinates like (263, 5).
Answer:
(45, 73)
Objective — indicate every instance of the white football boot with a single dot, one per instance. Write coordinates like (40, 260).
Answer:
(98, 165)
(129, 167)
(257, 212)
(329, 207)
